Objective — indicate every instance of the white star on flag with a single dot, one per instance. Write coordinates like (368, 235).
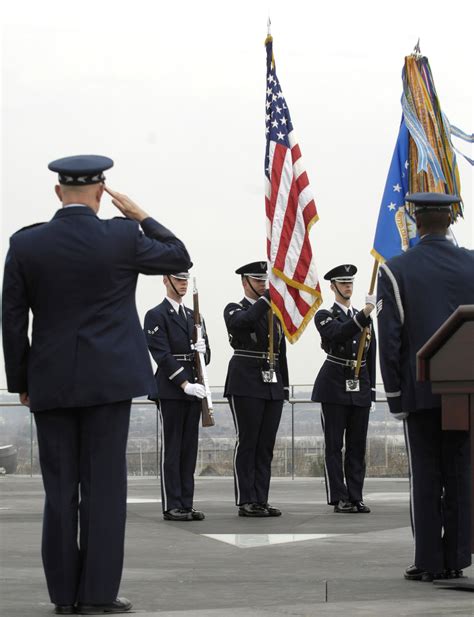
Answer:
(397, 188)
(392, 206)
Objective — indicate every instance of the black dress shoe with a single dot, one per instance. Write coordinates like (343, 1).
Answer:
(64, 609)
(253, 509)
(412, 573)
(272, 511)
(345, 506)
(361, 507)
(120, 605)
(196, 514)
(453, 574)
(177, 514)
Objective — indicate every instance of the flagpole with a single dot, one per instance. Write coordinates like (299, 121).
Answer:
(365, 331)
(271, 355)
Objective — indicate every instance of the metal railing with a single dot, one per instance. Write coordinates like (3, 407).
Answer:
(212, 444)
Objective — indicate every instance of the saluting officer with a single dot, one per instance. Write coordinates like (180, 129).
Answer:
(345, 402)
(87, 359)
(169, 328)
(417, 292)
(255, 390)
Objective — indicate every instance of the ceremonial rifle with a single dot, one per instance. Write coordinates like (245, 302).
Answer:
(365, 331)
(200, 364)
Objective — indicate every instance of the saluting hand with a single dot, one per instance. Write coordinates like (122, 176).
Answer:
(126, 206)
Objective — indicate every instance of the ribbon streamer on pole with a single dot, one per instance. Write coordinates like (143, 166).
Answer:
(424, 160)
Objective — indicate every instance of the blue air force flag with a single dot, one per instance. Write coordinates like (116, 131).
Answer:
(396, 228)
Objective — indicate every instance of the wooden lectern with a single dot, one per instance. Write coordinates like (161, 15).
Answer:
(447, 360)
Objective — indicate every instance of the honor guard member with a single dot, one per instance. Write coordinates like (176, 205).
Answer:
(169, 328)
(417, 292)
(87, 359)
(255, 391)
(345, 402)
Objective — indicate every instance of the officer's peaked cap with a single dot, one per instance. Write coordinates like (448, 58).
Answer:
(341, 274)
(184, 276)
(432, 202)
(255, 269)
(82, 169)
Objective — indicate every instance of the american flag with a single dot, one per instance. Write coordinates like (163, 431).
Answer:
(294, 287)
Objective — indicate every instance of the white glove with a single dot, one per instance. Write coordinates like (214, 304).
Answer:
(195, 389)
(373, 407)
(371, 299)
(199, 345)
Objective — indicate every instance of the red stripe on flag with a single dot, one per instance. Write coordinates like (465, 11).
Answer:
(302, 306)
(280, 304)
(309, 213)
(304, 261)
(295, 153)
(302, 182)
(288, 226)
(277, 167)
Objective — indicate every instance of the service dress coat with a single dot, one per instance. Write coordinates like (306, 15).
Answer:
(247, 327)
(87, 347)
(169, 340)
(340, 336)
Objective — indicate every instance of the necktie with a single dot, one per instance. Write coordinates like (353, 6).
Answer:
(349, 313)
(182, 313)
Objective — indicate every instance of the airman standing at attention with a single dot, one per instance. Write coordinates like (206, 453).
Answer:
(255, 390)
(345, 402)
(169, 328)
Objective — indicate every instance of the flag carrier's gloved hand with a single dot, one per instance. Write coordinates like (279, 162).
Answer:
(371, 299)
(195, 389)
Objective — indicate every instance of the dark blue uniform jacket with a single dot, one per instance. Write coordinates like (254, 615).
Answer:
(167, 334)
(78, 274)
(416, 293)
(247, 326)
(340, 336)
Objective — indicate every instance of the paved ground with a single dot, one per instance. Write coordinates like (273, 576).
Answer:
(349, 565)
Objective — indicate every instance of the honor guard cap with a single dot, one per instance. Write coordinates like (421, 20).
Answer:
(184, 276)
(341, 274)
(256, 270)
(81, 170)
(432, 202)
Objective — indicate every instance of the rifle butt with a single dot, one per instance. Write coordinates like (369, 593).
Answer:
(207, 415)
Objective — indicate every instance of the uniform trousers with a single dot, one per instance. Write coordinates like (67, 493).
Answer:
(439, 492)
(82, 452)
(344, 424)
(179, 447)
(256, 423)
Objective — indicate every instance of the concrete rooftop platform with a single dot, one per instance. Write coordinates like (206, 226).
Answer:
(308, 562)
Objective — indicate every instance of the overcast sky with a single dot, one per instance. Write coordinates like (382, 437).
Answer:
(174, 93)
